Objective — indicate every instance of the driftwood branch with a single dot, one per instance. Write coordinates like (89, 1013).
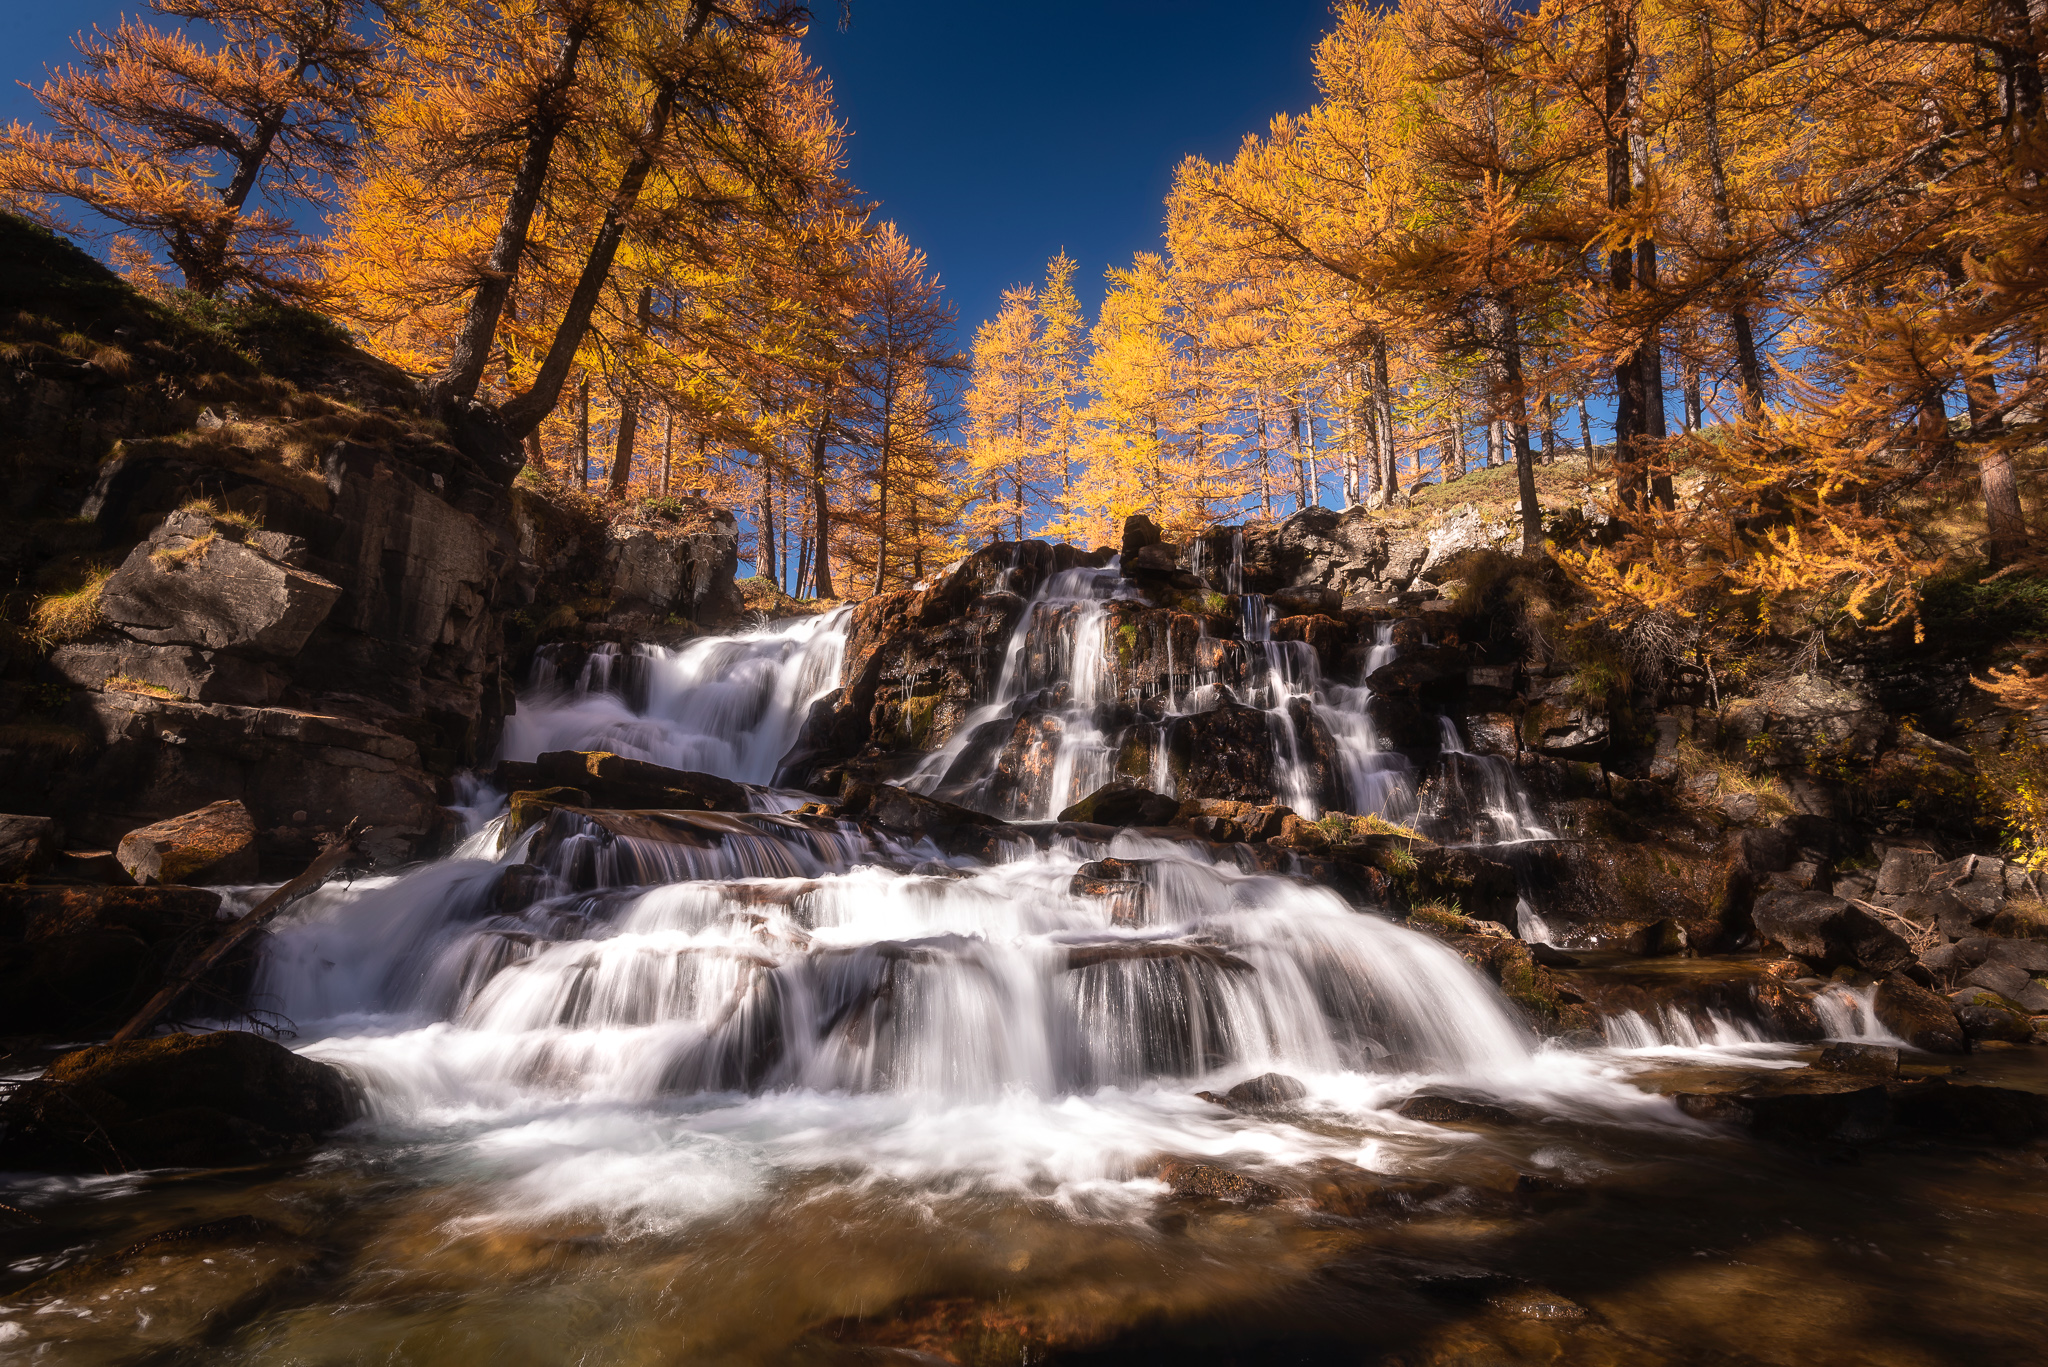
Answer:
(322, 868)
(1918, 938)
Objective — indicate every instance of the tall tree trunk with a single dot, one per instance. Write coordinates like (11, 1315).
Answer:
(2005, 520)
(1695, 409)
(882, 480)
(765, 555)
(668, 447)
(622, 453)
(1586, 437)
(534, 457)
(1383, 408)
(1747, 367)
(583, 434)
(1492, 438)
(1518, 410)
(1619, 60)
(1265, 460)
(821, 571)
(527, 409)
(458, 380)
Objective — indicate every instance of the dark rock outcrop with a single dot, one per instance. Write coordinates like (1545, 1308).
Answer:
(175, 1101)
(76, 959)
(28, 844)
(1829, 933)
(1123, 804)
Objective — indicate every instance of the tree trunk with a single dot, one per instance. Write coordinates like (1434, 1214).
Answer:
(583, 434)
(1628, 369)
(533, 454)
(821, 572)
(668, 446)
(622, 453)
(1695, 410)
(882, 480)
(1518, 408)
(526, 410)
(1586, 437)
(457, 382)
(1747, 366)
(764, 539)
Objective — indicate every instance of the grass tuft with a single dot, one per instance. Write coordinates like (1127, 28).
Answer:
(73, 614)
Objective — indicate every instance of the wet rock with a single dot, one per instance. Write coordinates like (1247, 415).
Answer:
(1858, 1117)
(610, 780)
(1660, 939)
(2000, 1115)
(1552, 957)
(1986, 1015)
(195, 583)
(1192, 1180)
(1536, 1303)
(519, 887)
(1335, 1187)
(160, 1295)
(176, 1101)
(158, 757)
(1121, 884)
(1918, 1016)
(1561, 725)
(1123, 804)
(216, 844)
(1224, 753)
(953, 828)
(1450, 1110)
(73, 959)
(1829, 932)
(1875, 1060)
(28, 844)
(1264, 1091)
(1194, 952)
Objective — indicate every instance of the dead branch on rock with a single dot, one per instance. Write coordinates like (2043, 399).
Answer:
(324, 866)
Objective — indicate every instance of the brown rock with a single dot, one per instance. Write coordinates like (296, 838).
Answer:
(1206, 1181)
(1918, 1016)
(216, 844)
(179, 1100)
(74, 959)
(28, 844)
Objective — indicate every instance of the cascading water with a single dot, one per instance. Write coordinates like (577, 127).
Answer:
(654, 1014)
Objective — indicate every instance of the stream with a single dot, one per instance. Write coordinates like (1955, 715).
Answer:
(755, 1088)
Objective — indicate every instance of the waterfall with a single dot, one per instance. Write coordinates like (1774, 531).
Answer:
(726, 705)
(1489, 788)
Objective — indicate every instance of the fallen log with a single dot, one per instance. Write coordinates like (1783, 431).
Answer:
(323, 867)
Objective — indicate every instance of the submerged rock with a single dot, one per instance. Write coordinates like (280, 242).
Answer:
(1875, 1060)
(1451, 1110)
(175, 1101)
(1207, 1181)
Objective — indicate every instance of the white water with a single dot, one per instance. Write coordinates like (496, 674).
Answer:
(670, 1021)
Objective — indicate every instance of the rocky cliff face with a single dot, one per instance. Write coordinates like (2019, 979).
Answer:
(312, 583)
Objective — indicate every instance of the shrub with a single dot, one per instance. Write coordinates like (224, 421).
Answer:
(72, 614)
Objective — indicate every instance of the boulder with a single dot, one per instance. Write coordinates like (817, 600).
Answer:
(1986, 1015)
(1999, 1115)
(658, 566)
(1905, 870)
(1919, 1017)
(1120, 883)
(175, 1101)
(216, 844)
(1874, 1060)
(1207, 1181)
(957, 830)
(1559, 724)
(1829, 932)
(1451, 1110)
(199, 675)
(196, 582)
(1660, 940)
(609, 780)
(75, 959)
(1264, 1091)
(28, 844)
(1123, 804)
(1140, 531)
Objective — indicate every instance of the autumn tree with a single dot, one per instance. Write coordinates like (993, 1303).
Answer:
(203, 145)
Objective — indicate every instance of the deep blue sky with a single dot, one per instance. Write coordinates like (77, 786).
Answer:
(994, 133)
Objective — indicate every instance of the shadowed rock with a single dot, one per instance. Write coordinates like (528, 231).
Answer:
(216, 844)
